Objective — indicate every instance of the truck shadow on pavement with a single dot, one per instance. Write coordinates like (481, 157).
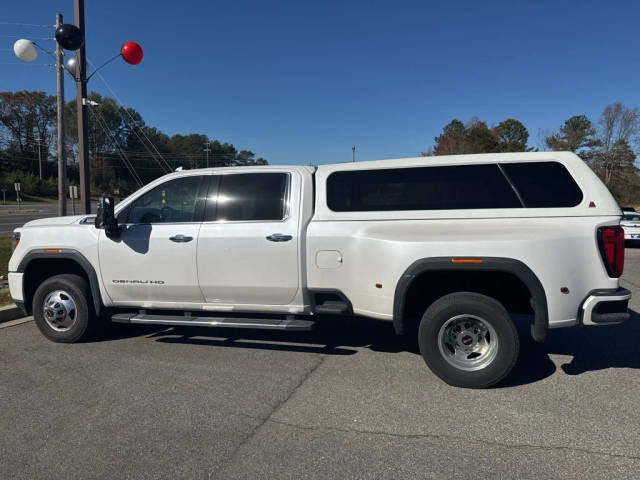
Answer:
(332, 336)
(590, 348)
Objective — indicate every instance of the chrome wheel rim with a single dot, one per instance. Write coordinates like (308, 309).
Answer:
(59, 309)
(468, 342)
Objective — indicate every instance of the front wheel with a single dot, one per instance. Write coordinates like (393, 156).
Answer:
(468, 340)
(62, 309)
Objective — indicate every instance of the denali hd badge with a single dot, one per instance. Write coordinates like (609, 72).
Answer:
(140, 282)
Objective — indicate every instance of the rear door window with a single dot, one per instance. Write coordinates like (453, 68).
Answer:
(252, 197)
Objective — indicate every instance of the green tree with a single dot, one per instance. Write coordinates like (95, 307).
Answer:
(480, 138)
(577, 135)
(247, 157)
(452, 141)
(512, 136)
(476, 137)
(122, 148)
(26, 122)
(607, 149)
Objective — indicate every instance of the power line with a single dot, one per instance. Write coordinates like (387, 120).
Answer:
(26, 24)
(132, 128)
(28, 64)
(121, 167)
(136, 153)
(145, 156)
(124, 158)
(182, 155)
(129, 166)
(30, 37)
(133, 121)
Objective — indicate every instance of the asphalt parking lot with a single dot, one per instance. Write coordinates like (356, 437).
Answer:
(345, 401)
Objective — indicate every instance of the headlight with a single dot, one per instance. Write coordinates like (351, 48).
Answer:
(15, 240)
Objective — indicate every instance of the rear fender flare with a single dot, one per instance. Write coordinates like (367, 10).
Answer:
(493, 264)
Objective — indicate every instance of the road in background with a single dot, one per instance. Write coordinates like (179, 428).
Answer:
(10, 221)
(348, 400)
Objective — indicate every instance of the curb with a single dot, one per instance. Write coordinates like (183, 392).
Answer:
(10, 312)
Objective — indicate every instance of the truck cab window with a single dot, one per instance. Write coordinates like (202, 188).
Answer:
(252, 196)
(171, 202)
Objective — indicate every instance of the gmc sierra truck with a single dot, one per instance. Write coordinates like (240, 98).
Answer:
(447, 249)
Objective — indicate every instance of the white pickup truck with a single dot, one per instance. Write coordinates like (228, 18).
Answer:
(445, 248)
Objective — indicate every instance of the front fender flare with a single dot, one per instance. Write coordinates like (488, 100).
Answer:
(67, 254)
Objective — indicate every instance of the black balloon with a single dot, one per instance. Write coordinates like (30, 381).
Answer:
(69, 36)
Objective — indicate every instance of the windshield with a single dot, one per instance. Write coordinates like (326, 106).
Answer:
(629, 217)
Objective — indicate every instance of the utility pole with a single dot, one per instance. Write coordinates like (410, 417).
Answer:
(207, 149)
(72, 37)
(81, 106)
(353, 153)
(62, 165)
(39, 157)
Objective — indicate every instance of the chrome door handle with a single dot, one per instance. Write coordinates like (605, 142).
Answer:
(279, 237)
(180, 238)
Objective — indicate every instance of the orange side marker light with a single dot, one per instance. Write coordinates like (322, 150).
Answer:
(467, 260)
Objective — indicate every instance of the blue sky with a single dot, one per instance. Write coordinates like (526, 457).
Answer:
(300, 82)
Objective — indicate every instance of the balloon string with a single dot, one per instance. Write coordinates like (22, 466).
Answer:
(105, 63)
(46, 51)
(56, 59)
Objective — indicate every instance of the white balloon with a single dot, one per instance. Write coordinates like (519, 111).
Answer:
(25, 50)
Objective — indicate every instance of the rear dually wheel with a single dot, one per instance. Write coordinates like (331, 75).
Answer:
(468, 340)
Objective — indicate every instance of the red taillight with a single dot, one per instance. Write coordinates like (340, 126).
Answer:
(611, 242)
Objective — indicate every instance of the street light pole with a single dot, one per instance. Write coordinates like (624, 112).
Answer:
(207, 149)
(62, 165)
(81, 107)
(39, 158)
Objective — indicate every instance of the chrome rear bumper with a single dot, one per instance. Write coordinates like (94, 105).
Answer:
(605, 307)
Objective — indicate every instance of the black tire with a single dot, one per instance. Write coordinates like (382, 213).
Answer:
(500, 363)
(84, 323)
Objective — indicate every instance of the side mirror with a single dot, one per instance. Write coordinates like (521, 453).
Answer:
(105, 218)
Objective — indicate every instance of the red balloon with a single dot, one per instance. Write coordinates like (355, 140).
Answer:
(131, 53)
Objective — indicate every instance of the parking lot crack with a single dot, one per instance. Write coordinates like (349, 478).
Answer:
(267, 419)
(438, 437)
